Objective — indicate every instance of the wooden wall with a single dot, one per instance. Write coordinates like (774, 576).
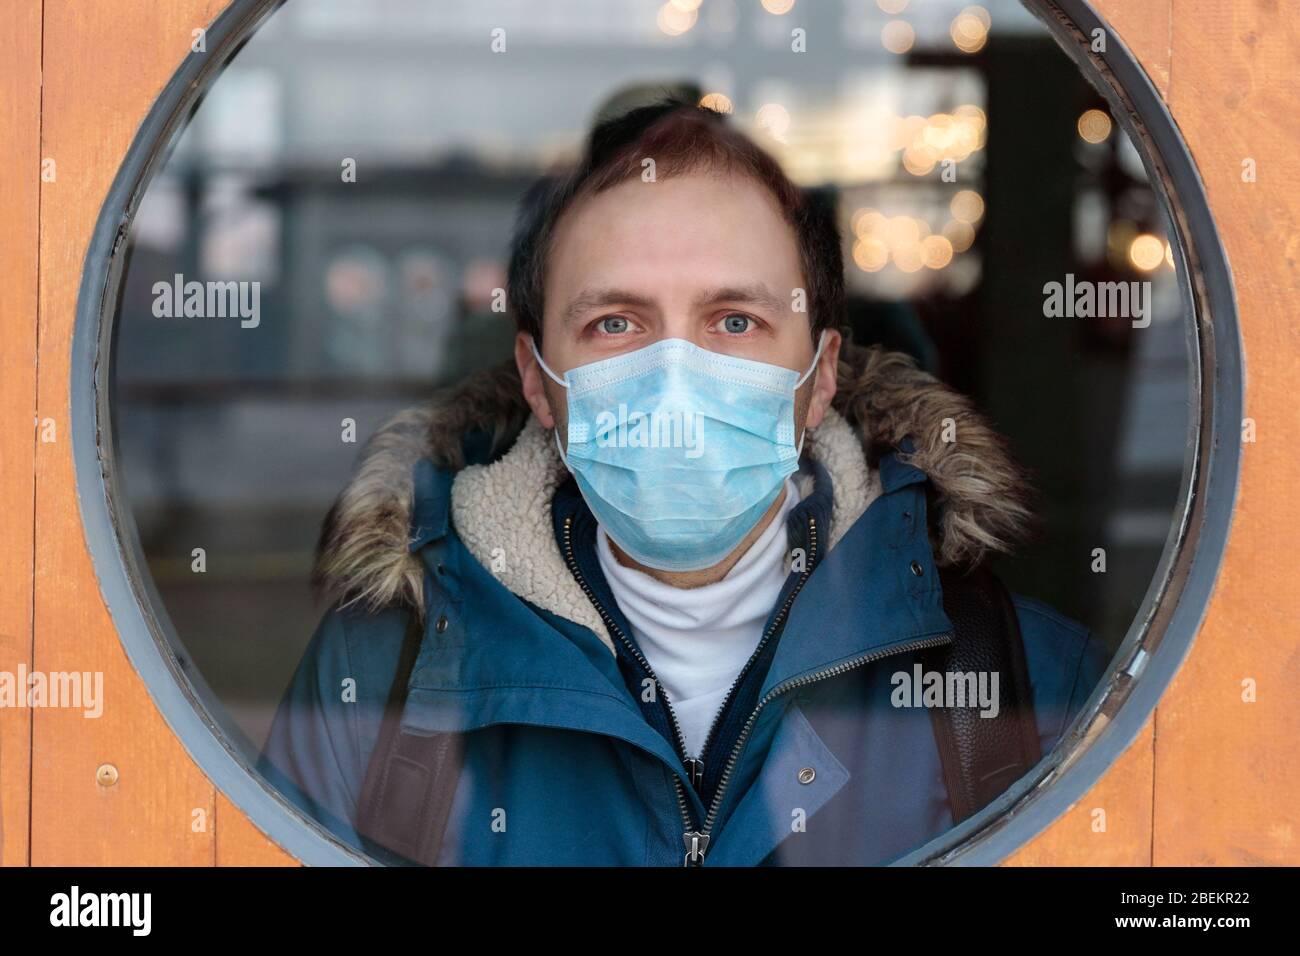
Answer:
(102, 65)
(1211, 780)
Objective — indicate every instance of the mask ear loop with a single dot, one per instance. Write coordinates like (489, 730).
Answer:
(821, 340)
(547, 369)
(558, 381)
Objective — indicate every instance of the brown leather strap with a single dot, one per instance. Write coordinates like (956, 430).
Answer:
(982, 756)
(411, 779)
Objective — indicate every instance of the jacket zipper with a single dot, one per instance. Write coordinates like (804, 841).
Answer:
(682, 804)
(697, 840)
(702, 837)
(776, 624)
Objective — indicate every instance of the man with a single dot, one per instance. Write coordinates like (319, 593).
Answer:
(658, 592)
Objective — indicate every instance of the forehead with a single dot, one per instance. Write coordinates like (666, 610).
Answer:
(696, 229)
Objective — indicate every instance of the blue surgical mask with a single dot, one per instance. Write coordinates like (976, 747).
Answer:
(679, 451)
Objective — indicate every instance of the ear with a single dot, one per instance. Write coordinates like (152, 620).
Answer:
(823, 380)
(533, 379)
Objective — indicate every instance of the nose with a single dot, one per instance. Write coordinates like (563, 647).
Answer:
(680, 323)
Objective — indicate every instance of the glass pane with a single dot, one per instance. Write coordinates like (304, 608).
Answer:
(328, 244)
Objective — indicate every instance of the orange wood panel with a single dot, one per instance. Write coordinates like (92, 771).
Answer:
(239, 843)
(1227, 782)
(1145, 28)
(20, 185)
(104, 66)
(1110, 825)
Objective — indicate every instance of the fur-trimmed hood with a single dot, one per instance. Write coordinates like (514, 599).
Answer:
(364, 555)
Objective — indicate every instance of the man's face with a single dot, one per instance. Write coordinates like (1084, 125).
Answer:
(701, 257)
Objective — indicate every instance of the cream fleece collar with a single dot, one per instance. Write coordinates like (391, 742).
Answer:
(364, 554)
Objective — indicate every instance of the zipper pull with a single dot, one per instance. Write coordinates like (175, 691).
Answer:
(696, 843)
(695, 772)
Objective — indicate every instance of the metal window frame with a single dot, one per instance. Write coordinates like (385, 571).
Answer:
(1157, 642)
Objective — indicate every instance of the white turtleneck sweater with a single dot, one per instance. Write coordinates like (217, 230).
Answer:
(698, 639)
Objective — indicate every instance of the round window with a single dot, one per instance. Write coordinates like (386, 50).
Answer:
(880, 348)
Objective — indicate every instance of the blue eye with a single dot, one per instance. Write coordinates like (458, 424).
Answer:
(613, 324)
(736, 323)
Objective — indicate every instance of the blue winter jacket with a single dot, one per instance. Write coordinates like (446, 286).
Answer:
(572, 756)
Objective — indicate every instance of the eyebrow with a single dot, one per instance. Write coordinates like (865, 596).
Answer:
(755, 294)
(598, 298)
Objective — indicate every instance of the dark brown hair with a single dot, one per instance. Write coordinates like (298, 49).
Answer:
(681, 137)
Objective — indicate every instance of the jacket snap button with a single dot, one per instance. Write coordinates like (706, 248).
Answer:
(807, 775)
(917, 569)
(441, 569)
(442, 624)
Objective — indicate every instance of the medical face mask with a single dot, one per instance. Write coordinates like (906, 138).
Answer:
(679, 451)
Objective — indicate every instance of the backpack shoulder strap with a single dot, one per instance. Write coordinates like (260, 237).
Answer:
(982, 756)
(411, 779)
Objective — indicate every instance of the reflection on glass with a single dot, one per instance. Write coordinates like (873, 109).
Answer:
(364, 162)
